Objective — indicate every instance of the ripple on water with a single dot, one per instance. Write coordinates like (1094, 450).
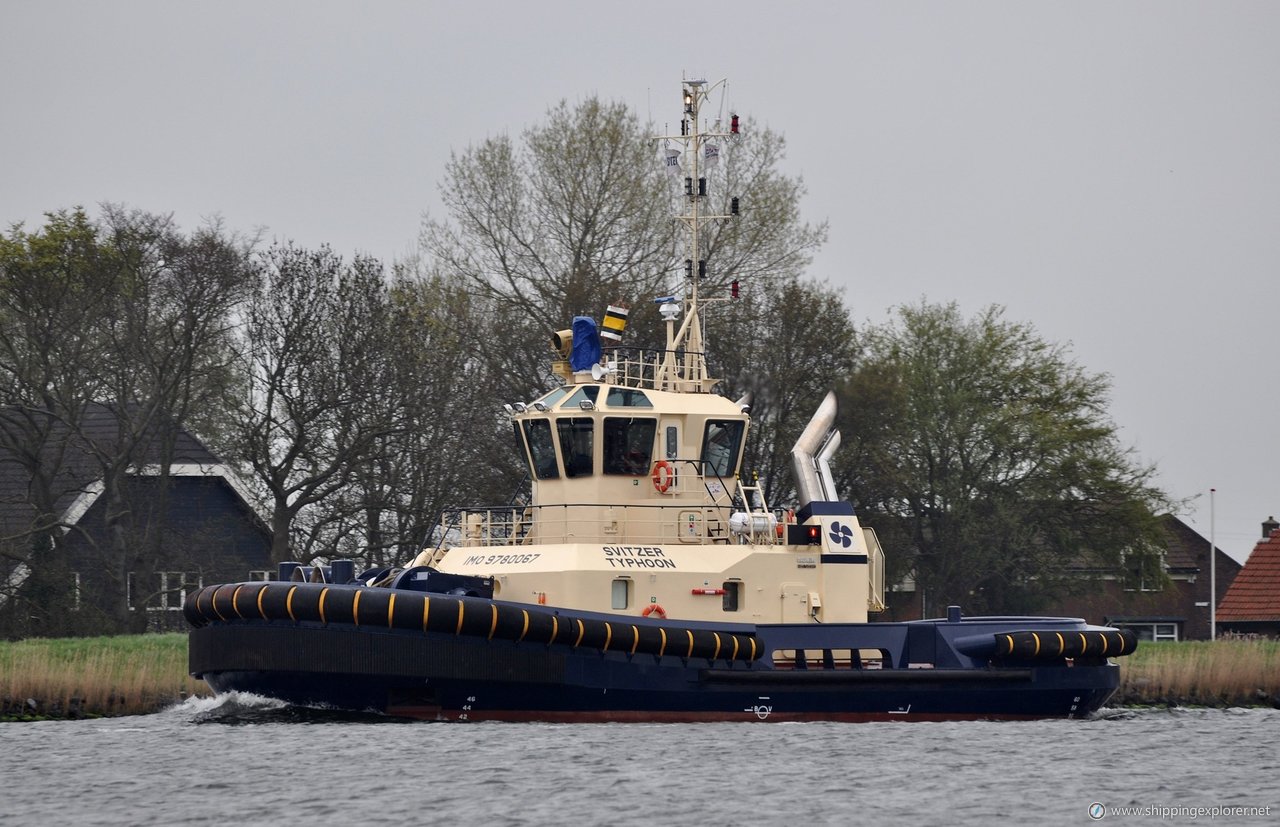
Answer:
(246, 760)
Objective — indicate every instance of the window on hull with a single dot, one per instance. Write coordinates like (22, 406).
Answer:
(732, 595)
(621, 594)
(628, 445)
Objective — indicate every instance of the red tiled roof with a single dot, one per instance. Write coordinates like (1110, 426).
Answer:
(1255, 593)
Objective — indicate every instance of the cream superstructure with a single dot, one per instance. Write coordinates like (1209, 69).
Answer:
(638, 504)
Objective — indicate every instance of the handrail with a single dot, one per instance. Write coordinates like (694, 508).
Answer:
(643, 523)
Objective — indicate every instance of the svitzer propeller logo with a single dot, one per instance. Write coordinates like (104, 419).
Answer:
(841, 535)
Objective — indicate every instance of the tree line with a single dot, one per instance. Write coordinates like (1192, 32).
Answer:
(361, 399)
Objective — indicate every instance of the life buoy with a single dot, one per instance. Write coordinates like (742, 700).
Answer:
(663, 476)
(654, 609)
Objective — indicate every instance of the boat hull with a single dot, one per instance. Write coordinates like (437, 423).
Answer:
(466, 674)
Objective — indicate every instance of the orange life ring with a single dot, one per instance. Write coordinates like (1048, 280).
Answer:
(663, 475)
(654, 609)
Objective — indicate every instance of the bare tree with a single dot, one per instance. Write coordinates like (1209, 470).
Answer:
(786, 343)
(569, 221)
(316, 405)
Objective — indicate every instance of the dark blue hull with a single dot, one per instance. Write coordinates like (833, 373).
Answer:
(457, 668)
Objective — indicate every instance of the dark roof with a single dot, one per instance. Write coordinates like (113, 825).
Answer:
(1255, 593)
(1186, 552)
(73, 453)
(1187, 549)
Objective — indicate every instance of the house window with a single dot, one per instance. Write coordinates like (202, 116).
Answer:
(621, 593)
(1152, 632)
(75, 591)
(174, 586)
(172, 594)
(1144, 575)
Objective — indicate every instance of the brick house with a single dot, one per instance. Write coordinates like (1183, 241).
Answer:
(1252, 604)
(1172, 607)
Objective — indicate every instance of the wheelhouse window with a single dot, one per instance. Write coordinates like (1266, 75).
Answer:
(720, 444)
(554, 396)
(586, 393)
(627, 398)
(576, 436)
(541, 448)
(628, 445)
(522, 447)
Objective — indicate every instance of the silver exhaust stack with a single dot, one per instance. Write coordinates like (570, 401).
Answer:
(813, 473)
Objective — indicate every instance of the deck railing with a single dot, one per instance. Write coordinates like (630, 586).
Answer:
(655, 524)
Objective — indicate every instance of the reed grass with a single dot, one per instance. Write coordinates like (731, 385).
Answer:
(1228, 672)
(89, 677)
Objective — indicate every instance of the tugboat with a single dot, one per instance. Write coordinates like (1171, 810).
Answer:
(646, 579)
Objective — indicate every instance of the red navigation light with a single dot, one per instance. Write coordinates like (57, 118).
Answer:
(804, 535)
(733, 124)
(733, 288)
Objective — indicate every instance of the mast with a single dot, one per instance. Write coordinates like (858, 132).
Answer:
(690, 372)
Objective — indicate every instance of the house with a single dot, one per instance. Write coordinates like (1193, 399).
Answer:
(1252, 604)
(62, 568)
(1173, 607)
(1172, 604)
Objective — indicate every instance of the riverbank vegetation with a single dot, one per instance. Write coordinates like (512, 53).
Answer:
(1228, 672)
(94, 677)
(139, 674)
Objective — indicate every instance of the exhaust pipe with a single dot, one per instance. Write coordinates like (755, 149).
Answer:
(809, 471)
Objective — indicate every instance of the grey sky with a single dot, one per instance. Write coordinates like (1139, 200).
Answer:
(1108, 171)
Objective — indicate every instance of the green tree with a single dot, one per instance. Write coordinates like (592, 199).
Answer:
(986, 459)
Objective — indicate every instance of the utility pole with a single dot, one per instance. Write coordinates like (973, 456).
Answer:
(1213, 571)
